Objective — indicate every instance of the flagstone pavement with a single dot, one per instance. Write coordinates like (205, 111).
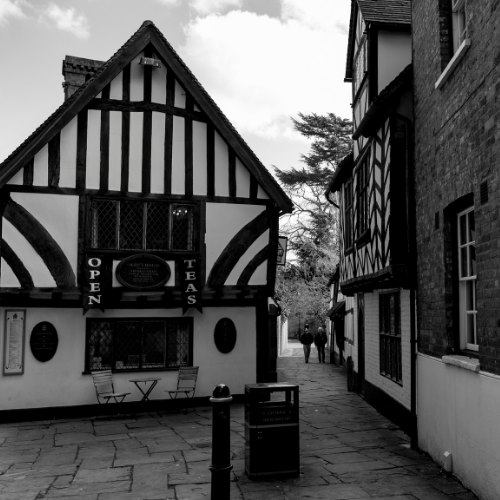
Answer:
(348, 451)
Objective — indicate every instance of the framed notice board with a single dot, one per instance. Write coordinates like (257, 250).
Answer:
(14, 340)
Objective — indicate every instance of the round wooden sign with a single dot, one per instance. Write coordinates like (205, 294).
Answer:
(225, 335)
(44, 341)
(143, 272)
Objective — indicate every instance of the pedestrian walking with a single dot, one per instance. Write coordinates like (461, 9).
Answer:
(306, 339)
(320, 341)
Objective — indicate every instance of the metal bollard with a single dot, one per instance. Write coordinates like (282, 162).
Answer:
(221, 454)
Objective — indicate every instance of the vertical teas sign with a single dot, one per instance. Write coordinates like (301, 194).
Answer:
(13, 361)
(190, 283)
(94, 279)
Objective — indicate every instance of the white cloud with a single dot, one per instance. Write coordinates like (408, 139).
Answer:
(169, 2)
(10, 8)
(68, 20)
(262, 70)
(205, 7)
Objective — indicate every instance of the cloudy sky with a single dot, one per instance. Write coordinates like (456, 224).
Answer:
(262, 61)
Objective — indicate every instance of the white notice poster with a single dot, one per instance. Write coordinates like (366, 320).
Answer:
(13, 361)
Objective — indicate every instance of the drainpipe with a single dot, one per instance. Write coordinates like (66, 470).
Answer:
(413, 363)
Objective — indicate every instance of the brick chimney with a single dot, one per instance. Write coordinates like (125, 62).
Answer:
(76, 71)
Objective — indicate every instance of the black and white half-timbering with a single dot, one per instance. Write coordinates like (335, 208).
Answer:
(138, 204)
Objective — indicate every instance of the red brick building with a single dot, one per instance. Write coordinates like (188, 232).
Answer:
(456, 58)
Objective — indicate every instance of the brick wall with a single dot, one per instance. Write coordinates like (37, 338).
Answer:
(457, 147)
(372, 348)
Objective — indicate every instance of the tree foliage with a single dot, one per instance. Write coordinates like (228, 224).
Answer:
(312, 228)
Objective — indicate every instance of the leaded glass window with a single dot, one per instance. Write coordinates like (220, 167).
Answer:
(142, 225)
(137, 344)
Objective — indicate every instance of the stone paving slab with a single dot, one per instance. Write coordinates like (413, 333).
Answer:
(348, 451)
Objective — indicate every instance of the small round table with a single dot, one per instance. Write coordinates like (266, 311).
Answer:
(147, 390)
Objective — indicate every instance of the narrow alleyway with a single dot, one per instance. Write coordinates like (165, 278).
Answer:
(348, 451)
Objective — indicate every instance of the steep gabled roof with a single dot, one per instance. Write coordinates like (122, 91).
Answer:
(147, 34)
(390, 12)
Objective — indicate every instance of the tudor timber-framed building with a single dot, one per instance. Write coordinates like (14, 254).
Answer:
(374, 200)
(137, 169)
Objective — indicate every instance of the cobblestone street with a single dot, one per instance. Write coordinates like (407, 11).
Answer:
(348, 451)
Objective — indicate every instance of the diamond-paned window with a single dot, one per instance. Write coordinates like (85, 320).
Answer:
(142, 225)
(134, 344)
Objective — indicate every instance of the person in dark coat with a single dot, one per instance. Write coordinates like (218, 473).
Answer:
(320, 341)
(306, 339)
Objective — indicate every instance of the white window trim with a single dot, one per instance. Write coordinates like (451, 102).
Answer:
(459, 54)
(463, 312)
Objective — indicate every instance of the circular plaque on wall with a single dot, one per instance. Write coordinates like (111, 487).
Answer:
(225, 335)
(143, 272)
(43, 341)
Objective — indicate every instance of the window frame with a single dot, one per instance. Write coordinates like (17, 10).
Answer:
(458, 24)
(362, 196)
(459, 42)
(348, 214)
(140, 356)
(193, 237)
(360, 65)
(390, 348)
(467, 282)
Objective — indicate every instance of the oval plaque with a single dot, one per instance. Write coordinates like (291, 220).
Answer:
(44, 341)
(225, 335)
(143, 272)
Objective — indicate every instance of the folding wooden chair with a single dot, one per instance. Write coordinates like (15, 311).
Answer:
(105, 389)
(186, 383)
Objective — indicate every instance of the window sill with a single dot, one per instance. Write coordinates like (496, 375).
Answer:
(137, 370)
(395, 380)
(459, 54)
(462, 362)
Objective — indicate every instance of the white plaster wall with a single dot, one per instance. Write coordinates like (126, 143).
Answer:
(93, 149)
(115, 150)
(159, 85)
(351, 332)
(178, 156)
(372, 348)
(137, 79)
(394, 54)
(224, 220)
(41, 167)
(27, 255)
(199, 158)
(221, 154)
(60, 381)
(135, 153)
(259, 277)
(58, 214)
(458, 412)
(67, 175)
(157, 153)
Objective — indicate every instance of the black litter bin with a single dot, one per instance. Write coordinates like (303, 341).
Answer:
(272, 429)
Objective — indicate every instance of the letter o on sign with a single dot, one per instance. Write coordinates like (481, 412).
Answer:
(225, 335)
